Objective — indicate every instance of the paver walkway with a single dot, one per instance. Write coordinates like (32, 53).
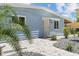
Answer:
(42, 46)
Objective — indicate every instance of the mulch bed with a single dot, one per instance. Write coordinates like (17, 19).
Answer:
(62, 44)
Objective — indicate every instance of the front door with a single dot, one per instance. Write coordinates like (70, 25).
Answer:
(46, 26)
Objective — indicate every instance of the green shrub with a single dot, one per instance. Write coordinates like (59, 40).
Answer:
(66, 32)
(53, 37)
(72, 31)
(78, 34)
(69, 47)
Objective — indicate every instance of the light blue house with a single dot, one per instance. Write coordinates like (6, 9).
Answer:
(42, 22)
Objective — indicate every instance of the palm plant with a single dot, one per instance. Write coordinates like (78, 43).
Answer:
(8, 28)
(66, 31)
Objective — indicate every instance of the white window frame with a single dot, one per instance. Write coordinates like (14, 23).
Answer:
(56, 19)
(56, 25)
(22, 16)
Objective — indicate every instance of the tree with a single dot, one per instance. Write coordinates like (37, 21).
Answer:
(9, 28)
(77, 20)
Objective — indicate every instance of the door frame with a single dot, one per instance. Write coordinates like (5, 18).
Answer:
(46, 26)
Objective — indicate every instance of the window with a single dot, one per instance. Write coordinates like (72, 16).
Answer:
(51, 24)
(21, 19)
(56, 24)
(13, 17)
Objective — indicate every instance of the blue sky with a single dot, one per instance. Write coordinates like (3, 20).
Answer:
(53, 5)
(65, 9)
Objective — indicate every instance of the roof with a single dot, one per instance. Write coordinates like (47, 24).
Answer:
(77, 9)
(74, 25)
(35, 9)
(67, 21)
(18, 5)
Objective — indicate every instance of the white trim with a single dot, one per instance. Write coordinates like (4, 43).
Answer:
(55, 19)
(58, 25)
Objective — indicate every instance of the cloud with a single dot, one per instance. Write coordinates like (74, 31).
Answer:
(69, 9)
(27, 3)
(72, 17)
(59, 7)
(65, 15)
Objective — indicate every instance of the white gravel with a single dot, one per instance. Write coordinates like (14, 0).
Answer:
(42, 46)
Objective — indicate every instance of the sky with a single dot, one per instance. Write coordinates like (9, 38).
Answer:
(65, 9)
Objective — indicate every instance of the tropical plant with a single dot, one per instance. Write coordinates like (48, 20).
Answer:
(66, 32)
(69, 47)
(53, 37)
(72, 31)
(77, 20)
(78, 34)
(9, 28)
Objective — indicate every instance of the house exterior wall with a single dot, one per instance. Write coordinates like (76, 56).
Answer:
(60, 30)
(49, 27)
(35, 21)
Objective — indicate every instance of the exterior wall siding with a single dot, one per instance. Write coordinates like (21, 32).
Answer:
(35, 21)
(59, 31)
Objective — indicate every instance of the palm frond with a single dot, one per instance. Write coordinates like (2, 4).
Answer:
(8, 28)
(11, 37)
(15, 20)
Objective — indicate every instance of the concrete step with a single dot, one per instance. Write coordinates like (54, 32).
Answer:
(35, 34)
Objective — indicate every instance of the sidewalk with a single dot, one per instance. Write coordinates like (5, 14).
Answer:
(42, 46)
